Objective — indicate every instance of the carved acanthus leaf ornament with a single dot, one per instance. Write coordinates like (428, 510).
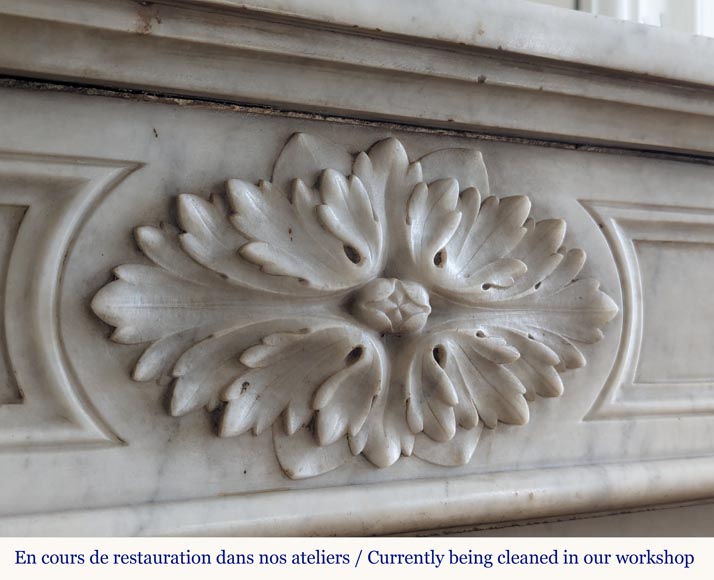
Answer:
(357, 305)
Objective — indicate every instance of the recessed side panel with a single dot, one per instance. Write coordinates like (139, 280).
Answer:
(678, 310)
(663, 253)
(43, 200)
(10, 220)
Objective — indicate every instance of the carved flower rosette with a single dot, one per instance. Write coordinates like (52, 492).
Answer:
(357, 305)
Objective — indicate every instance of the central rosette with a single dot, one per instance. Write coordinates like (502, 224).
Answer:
(392, 305)
(277, 304)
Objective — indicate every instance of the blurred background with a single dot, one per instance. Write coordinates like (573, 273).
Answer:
(692, 16)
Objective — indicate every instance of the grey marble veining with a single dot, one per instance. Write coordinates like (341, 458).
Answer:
(228, 319)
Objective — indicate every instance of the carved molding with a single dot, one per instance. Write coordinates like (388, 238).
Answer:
(11, 217)
(50, 197)
(357, 305)
(628, 226)
(328, 67)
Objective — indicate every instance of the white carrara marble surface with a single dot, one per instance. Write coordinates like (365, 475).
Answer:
(514, 26)
(228, 319)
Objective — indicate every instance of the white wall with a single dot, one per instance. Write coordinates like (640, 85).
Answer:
(691, 16)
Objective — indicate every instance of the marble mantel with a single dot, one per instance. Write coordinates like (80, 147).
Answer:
(284, 267)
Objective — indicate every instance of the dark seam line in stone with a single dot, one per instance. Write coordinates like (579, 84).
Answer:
(182, 100)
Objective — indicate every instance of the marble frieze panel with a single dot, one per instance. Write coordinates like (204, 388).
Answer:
(230, 310)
